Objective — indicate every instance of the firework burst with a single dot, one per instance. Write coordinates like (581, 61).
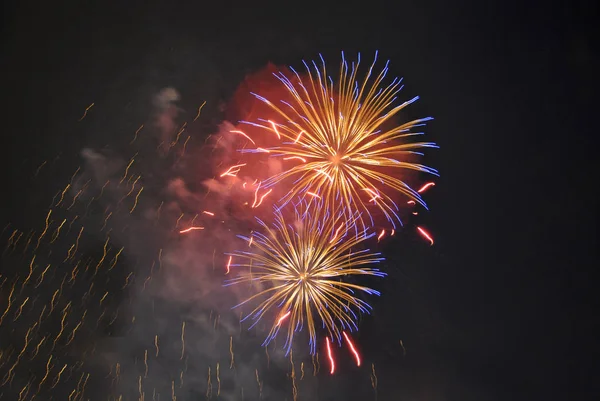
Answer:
(338, 142)
(303, 268)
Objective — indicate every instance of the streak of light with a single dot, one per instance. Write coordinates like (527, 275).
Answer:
(425, 234)
(352, 348)
(330, 356)
(243, 134)
(425, 187)
(231, 171)
(85, 112)
(229, 265)
(182, 340)
(282, 318)
(136, 134)
(231, 352)
(199, 110)
(187, 230)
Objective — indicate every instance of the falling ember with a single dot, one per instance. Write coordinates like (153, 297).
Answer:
(187, 230)
(352, 348)
(381, 235)
(411, 202)
(209, 213)
(330, 356)
(425, 234)
(229, 264)
(426, 186)
(393, 232)
(282, 318)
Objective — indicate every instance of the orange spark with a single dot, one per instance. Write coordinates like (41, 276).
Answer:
(299, 135)
(424, 187)
(425, 234)
(275, 128)
(372, 192)
(263, 150)
(209, 213)
(411, 202)
(330, 356)
(256, 194)
(295, 157)
(229, 264)
(243, 134)
(352, 348)
(336, 233)
(313, 194)
(381, 235)
(187, 230)
(263, 197)
(325, 174)
(393, 232)
(233, 173)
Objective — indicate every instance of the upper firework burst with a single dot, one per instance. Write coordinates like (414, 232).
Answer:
(338, 142)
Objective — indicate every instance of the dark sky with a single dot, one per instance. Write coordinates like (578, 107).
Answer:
(502, 307)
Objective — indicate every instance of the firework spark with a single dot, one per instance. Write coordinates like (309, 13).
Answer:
(338, 143)
(302, 266)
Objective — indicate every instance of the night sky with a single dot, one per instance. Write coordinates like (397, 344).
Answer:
(502, 306)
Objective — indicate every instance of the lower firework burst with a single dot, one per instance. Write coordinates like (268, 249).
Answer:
(302, 268)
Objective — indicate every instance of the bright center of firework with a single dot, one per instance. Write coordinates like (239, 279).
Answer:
(336, 159)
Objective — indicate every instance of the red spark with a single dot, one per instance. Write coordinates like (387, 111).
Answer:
(330, 356)
(424, 187)
(425, 234)
(352, 348)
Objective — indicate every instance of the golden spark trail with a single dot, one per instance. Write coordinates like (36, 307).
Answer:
(85, 112)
